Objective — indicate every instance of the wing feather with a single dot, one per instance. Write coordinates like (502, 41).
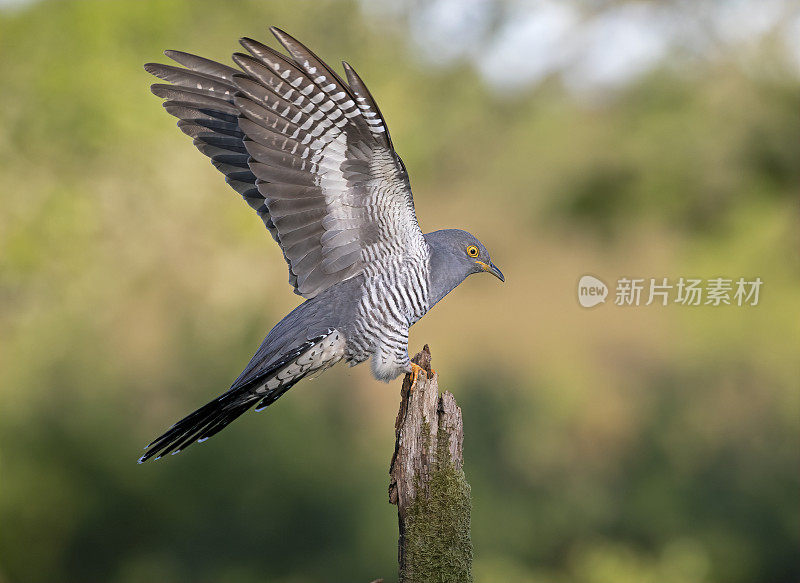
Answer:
(309, 151)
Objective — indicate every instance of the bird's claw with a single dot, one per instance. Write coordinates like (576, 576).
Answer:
(415, 370)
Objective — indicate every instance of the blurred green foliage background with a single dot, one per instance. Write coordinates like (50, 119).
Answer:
(612, 445)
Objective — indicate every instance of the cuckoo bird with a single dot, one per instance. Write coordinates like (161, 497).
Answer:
(311, 154)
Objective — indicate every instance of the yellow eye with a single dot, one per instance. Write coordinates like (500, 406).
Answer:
(472, 251)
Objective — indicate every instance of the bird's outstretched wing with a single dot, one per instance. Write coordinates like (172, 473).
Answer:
(309, 152)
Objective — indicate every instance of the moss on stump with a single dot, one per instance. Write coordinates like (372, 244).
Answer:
(438, 546)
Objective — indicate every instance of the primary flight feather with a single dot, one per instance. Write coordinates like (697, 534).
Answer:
(312, 155)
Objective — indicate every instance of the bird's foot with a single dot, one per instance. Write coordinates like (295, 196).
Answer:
(415, 370)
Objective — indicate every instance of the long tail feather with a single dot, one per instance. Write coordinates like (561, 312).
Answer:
(213, 417)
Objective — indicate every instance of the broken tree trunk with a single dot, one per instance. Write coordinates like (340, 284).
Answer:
(428, 483)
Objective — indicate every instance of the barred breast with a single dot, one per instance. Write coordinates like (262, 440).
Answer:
(395, 294)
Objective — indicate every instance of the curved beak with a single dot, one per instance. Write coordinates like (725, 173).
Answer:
(492, 268)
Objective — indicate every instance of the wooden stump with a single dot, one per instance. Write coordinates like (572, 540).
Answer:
(428, 484)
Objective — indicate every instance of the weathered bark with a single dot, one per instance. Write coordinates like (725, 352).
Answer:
(428, 483)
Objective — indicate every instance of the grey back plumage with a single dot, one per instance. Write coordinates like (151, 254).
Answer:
(309, 152)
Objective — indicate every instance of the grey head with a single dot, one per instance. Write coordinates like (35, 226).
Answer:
(456, 254)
